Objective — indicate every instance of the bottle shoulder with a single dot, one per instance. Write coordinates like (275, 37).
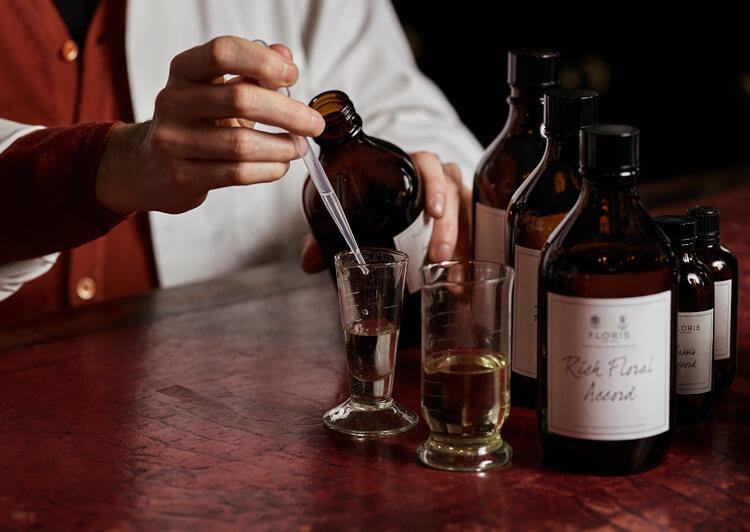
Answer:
(696, 284)
(542, 203)
(381, 144)
(362, 149)
(518, 152)
(552, 187)
(377, 184)
(519, 200)
(586, 243)
(720, 260)
(504, 167)
(693, 272)
(729, 257)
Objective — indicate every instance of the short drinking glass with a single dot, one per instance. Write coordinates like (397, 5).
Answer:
(465, 365)
(370, 300)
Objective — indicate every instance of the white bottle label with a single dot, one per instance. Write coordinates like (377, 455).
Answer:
(608, 366)
(695, 337)
(526, 262)
(415, 241)
(723, 317)
(489, 234)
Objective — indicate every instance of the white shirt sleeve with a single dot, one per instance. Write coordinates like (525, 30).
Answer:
(359, 47)
(14, 274)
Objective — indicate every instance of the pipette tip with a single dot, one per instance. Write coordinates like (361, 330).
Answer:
(361, 261)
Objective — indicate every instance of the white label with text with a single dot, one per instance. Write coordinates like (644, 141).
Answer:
(608, 366)
(695, 337)
(526, 262)
(490, 234)
(723, 317)
(415, 241)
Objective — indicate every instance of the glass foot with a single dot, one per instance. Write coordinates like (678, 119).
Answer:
(453, 454)
(370, 419)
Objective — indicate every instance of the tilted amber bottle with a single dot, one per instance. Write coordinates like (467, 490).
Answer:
(695, 323)
(515, 152)
(725, 271)
(607, 315)
(380, 191)
(536, 209)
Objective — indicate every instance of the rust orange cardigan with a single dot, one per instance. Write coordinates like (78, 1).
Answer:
(47, 200)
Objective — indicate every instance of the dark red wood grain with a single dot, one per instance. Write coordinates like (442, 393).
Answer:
(201, 407)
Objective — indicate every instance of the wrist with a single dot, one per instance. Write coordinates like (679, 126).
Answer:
(119, 166)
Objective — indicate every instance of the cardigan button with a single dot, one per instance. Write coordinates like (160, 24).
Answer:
(86, 288)
(69, 51)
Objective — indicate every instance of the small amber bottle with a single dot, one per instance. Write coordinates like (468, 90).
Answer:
(695, 323)
(515, 152)
(725, 270)
(537, 207)
(380, 191)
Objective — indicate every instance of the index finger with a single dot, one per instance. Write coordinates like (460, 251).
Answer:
(234, 55)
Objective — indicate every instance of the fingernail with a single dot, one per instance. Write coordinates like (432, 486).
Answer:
(438, 205)
(444, 252)
(290, 73)
(317, 123)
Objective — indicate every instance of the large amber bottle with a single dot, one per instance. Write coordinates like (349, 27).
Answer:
(515, 152)
(380, 191)
(536, 209)
(607, 316)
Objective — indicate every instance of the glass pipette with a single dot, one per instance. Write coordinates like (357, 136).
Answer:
(323, 185)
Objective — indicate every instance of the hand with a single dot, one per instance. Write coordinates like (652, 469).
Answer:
(446, 200)
(201, 136)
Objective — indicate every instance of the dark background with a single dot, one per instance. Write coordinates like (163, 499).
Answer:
(683, 78)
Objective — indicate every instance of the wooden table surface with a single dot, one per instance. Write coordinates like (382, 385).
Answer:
(200, 407)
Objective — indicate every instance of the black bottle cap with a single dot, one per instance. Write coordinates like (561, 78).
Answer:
(707, 219)
(570, 110)
(533, 68)
(679, 229)
(610, 148)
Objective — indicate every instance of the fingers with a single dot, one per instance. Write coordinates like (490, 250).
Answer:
(283, 50)
(311, 255)
(216, 101)
(235, 122)
(234, 55)
(463, 248)
(228, 143)
(435, 182)
(445, 231)
(442, 202)
(199, 176)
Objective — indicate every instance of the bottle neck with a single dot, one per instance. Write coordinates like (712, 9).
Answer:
(708, 242)
(562, 147)
(526, 107)
(622, 188)
(686, 250)
(340, 129)
(342, 121)
(614, 200)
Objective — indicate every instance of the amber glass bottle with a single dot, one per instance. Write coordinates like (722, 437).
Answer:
(695, 323)
(537, 207)
(380, 191)
(725, 270)
(607, 315)
(515, 152)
